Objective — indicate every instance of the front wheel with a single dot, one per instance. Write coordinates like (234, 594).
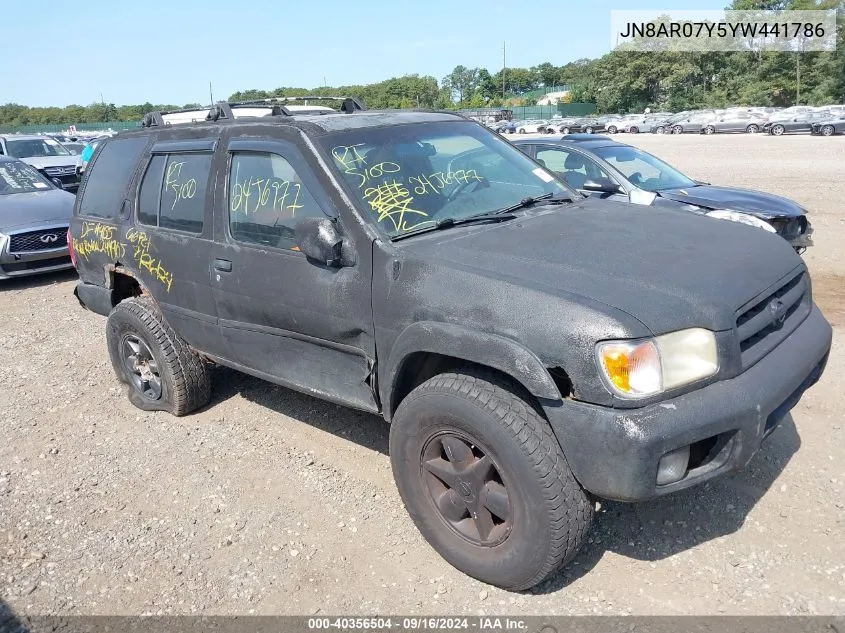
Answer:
(709, 130)
(827, 130)
(588, 130)
(612, 129)
(485, 481)
(778, 130)
(522, 130)
(566, 130)
(634, 129)
(677, 130)
(159, 370)
(659, 129)
(753, 128)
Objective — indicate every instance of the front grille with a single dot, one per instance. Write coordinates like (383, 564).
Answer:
(791, 228)
(57, 172)
(765, 322)
(38, 240)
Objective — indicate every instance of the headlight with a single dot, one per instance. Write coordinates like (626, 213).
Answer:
(646, 367)
(742, 218)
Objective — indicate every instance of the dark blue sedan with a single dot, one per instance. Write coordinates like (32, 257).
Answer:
(599, 166)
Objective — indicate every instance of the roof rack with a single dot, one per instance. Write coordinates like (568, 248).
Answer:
(226, 110)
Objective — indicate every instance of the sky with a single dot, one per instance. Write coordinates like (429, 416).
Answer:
(167, 51)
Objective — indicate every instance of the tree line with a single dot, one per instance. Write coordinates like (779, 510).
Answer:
(620, 81)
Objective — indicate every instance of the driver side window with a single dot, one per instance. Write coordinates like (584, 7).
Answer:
(574, 167)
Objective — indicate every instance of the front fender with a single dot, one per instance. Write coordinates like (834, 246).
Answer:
(483, 348)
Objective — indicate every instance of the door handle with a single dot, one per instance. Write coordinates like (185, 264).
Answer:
(223, 265)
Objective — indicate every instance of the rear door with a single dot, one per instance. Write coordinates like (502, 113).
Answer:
(282, 317)
(170, 245)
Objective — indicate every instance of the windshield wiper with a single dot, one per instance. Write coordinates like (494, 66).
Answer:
(446, 223)
(527, 202)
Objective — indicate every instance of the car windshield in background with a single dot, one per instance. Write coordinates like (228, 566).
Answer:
(35, 148)
(643, 170)
(408, 177)
(20, 178)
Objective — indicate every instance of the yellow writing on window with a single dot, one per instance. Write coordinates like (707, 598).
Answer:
(392, 201)
(256, 194)
(353, 164)
(181, 189)
(436, 182)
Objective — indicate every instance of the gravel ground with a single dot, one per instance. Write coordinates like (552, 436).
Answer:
(272, 502)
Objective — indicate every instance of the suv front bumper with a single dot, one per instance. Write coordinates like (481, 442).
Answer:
(615, 453)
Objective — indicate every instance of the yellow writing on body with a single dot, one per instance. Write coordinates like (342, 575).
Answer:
(97, 237)
(265, 194)
(181, 189)
(145, 259)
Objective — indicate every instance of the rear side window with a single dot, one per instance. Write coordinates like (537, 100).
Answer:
(172, 193)
(108, 177)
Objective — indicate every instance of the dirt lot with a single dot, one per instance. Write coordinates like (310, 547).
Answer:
(272, 502)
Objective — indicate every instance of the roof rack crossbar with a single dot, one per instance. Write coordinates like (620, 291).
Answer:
(223, 109)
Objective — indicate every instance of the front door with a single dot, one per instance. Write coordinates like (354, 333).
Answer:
(575, 168)
(283, 317)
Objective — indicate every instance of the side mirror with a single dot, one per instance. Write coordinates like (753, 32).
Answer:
(57, 182)
(601, 186)
(320, 240)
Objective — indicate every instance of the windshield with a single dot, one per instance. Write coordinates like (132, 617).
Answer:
(643, 170)
(16, 177)
(35, 147)
(407, 177)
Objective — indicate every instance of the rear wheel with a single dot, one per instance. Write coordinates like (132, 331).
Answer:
(659, 129)
(522, 130)
(677, 130)
(634, 130)
(778, 130)
(827, 130)
(709, 130)
(565, 130)
(753, 128)
(588, 129)
(160, 371)
(485, 480)
(612, 129)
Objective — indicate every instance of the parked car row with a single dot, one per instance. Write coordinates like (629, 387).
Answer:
(821, 121)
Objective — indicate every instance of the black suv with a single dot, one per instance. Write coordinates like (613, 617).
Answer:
(533, 349)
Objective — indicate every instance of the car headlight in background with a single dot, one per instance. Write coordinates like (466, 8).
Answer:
(742, 218)
(645, 367)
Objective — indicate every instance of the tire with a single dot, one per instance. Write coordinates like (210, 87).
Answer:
(709, 130)
(588, 129)
(479, 413)
(176, 381)
(565, 130)
(522, 130)
(659, 129)
(612, 129)
(827, 130)
(634, 130)
(752, 129)
(778, 130)
(677, 130)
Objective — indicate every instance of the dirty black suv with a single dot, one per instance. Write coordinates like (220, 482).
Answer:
(534, 350)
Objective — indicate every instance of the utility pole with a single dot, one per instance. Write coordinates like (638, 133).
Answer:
(210, 94)
(504, 68)
(798, 79)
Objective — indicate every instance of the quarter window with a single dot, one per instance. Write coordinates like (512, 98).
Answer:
(108, 177)
(172, 194)
(266, 200)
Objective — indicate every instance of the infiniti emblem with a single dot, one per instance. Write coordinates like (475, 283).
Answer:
(778, 312)
(48, 238)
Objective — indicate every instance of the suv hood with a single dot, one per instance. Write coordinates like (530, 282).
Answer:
(50, 161)
(762, 205)
(667, 269)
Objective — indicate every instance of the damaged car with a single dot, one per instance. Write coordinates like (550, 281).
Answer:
(599, 166)
(533, 350)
